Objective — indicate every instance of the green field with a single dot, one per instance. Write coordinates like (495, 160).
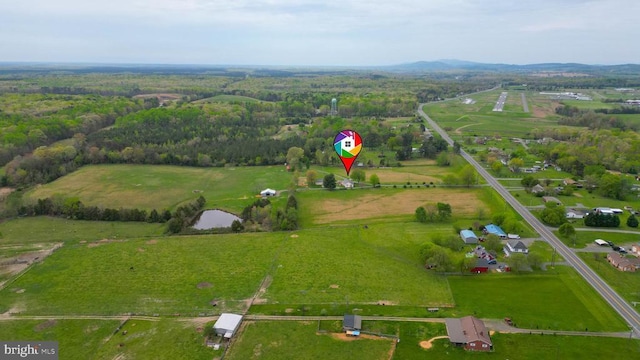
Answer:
(558, 300)
(95, 339)
(77, 339)
(299, 340)
(164, 276)
(584, 238)
(43, 229)
(160, 187)
(356, 265)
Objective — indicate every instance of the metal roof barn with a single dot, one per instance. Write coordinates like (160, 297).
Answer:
(227, 324)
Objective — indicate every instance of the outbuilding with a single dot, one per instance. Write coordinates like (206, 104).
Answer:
(227, 325)
(267, 192)
(469, 237)
(495, 230)
(352, 324)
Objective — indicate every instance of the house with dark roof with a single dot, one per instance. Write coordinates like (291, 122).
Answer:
(469, 332)
(515, 246)
(482, 266)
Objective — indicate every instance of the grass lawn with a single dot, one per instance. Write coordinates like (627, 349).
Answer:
(43, 229)
(77, 339)
(626, 284)
(160, 187)
(558, 300)
(337, 265)
(299, 340)
(165, 276)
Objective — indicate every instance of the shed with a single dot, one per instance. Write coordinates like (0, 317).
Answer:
(268, 192)
(495, 230)
(468, 237)
(469, 332)
(227, 325)
(602, 242)
(352, 323)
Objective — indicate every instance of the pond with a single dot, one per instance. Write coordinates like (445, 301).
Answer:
(212, 219)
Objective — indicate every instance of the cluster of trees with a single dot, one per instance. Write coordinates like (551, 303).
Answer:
(553, 214)
(183, 217)
(262, 213)
(599, 119)
(598, 219)
(433, 212)
(37, 120)
(73, 208)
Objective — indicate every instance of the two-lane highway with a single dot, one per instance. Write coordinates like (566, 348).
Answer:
(618, 303)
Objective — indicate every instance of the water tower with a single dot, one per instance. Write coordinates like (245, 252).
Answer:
(334, 107)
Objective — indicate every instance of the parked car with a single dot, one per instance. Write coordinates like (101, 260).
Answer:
(616, 248)
(611, 243)
(622, 250)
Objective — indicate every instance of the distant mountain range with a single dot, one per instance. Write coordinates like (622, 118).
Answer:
(442, 66)
(460, 65)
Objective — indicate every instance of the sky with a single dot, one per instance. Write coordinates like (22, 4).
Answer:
(319, 33)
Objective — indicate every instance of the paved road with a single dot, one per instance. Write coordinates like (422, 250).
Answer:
(525, 106)
(625, 310)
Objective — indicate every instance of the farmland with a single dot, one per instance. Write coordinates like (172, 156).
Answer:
(140, 186)
(226, 138)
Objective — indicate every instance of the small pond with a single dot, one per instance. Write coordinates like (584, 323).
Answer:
(212, 219)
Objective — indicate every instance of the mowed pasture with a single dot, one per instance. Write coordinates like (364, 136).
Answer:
(625, 283)
(77, 339)
(352, 264)
(187, 275)
(299, 340)
(559, 299)
(384, 203)
(164, 187)
(184, 275)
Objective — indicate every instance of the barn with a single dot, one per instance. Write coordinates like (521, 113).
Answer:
(468, 237)
(227, 325)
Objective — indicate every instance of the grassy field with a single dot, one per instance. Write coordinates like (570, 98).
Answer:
(95, 339)
(227, 98)
(43, 229)
(165, 339)
(77, 339)
(299, 340)
(526, 299)
(384, 204)
(165, 276)
(160, 187)
(351, 264)
(626, 284)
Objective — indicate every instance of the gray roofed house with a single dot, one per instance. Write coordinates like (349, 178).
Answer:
(515, 246)
(469, 332)
(351, 322)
